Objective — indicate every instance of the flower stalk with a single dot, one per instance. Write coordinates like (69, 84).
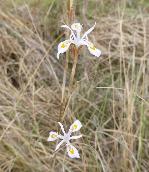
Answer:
(75, 41)
(74, 67)
(70, 9)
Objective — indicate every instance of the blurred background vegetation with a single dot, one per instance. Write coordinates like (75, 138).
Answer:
(111, 97)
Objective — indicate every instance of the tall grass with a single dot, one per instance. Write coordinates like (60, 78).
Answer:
(110, 99)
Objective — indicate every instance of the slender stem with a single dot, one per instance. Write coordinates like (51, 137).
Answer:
(73, 68)
(63, 87)
(70, 10)
(70, 15)
(65, 99)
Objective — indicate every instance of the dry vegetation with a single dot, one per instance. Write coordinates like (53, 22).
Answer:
(111, 97)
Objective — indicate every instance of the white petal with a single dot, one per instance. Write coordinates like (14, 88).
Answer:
(89, 31)
(52, 136)
(65, 26)
(83, 42)
(62, 128)
(72, 33)
(75, 126)
(58, 146)
(63, 47)
(72, 152)
(77, 27)
(60, 137)
(93, 50)
(75, 137)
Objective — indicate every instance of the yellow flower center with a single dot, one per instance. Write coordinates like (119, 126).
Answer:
(93, 48)
(75, 126)
(63, 45)
(53, 136)
(71, 151)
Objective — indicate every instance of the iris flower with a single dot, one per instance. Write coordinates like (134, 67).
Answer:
(78, 40)
(66, 137)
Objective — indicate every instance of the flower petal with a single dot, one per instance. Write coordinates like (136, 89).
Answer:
(75, 126)
(77, 27)
(83, 42)
(65, 26)
(63, 47)
(93, 50)
(60, 137)
(72, 33)
(58, 146)
(62, 128)
(75, 137)
(89, 31)
(52, 136)
(72, 151)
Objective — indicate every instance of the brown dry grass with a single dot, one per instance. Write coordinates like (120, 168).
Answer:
(111, 98)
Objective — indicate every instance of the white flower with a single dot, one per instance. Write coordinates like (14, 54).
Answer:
(66, 137)
(78, 40)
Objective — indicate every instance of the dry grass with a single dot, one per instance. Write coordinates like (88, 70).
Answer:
(111, 98)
